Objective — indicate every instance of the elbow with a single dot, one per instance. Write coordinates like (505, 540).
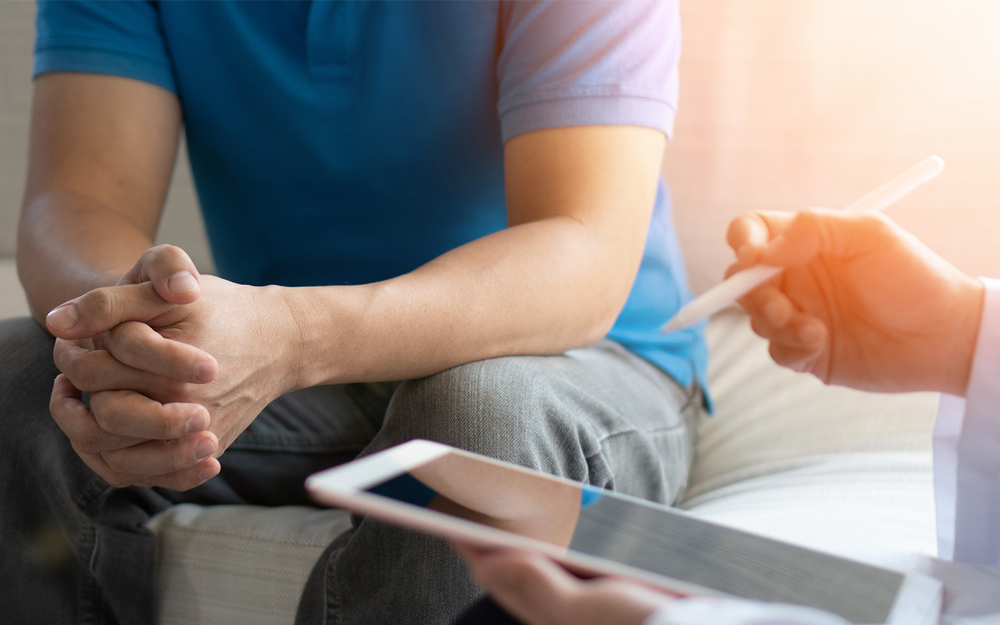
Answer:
(599, 322)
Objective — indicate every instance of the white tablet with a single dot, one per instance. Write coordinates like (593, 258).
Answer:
(455, 494)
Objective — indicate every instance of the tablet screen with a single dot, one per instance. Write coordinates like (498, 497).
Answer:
(647, 536)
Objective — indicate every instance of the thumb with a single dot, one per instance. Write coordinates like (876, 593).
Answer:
(172, 272)
(822, 231)
(529, 585)
(99, 310)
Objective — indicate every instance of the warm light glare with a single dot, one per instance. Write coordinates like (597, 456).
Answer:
(791, 103)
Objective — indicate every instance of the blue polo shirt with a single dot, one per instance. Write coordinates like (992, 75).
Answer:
(346, 142)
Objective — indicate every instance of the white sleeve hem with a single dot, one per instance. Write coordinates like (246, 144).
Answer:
(717, 611)
(967, 452)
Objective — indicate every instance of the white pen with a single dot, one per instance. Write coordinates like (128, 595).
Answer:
(740, 283)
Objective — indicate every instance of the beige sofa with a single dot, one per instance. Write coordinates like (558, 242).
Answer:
(776, 112)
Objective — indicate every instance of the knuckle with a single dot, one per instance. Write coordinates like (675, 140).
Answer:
(99, 303)
(125, 340)
(86, 442)
(119, 465)
(116, 480)
(808, 217)
(169, 428)
(156, 250)
(109, 416)
(83, 377)
(171, 258)
(880, 222)
(60, 355)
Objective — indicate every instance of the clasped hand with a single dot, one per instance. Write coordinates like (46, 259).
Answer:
(177, 366)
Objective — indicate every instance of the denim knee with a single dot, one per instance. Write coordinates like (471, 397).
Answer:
(521, 409)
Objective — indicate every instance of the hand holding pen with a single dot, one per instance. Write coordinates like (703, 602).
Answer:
(739, 284)
(859, 302)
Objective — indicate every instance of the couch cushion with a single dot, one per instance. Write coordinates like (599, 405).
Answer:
(238, 564)
(829, 467)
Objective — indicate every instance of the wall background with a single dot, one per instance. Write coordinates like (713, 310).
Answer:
(793, 103)
(180, 223)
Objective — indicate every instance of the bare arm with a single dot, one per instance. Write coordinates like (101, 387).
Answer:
(101, 152)
(579, 201)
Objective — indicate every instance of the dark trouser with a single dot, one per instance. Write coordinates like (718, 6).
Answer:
(76, 550)
(486, 612)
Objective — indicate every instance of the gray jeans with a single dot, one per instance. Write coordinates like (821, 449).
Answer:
(75, 549)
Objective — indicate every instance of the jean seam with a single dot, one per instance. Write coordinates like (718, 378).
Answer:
(611, 435)
(336, 591)
(80, 503)
(89, 592)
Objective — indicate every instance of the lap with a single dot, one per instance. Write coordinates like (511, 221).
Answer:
(600, 415)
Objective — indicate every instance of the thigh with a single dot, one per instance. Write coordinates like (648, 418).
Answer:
(600, 415)
(56, 511)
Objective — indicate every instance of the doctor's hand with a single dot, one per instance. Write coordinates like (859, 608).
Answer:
(169, 382)
(537, 591)
(862, 303)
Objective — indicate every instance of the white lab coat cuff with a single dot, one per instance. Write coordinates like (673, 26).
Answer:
(718, 611)
(967, 451)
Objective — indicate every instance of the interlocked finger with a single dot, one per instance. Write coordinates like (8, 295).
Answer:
(97, 370)
(128, 413)
(153, 458)
(101, 309)
(139, 346)
(79, 423)
(182, 480)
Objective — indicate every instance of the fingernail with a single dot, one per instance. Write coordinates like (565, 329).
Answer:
(197, 423)
(206, 474)
(203, 372)
(203, 449)
(182, 282)
(63, 318)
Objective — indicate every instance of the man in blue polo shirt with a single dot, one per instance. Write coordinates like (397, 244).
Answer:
(462, 196)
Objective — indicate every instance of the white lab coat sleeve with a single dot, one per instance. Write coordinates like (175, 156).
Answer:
(967, 452)
(719, 611)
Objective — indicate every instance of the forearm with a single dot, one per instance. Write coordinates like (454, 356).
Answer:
(69, 244)
(541, 287)
(100, 156)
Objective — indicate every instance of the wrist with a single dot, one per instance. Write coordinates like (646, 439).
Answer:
(288, 340)
(323, 344)
(964, 335)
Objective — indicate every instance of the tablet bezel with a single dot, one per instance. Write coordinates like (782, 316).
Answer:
(917, 602)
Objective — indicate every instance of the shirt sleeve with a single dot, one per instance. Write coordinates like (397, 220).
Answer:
(122, 38)
(705, 610)
(583, 63)
(967, 452)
